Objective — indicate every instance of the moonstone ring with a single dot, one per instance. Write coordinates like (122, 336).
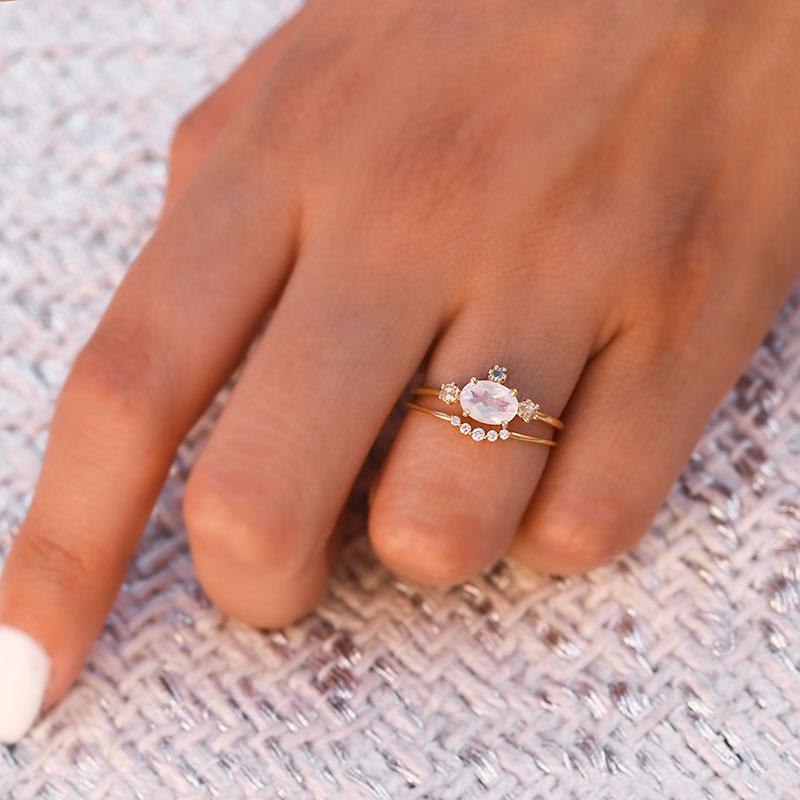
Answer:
(490, 402)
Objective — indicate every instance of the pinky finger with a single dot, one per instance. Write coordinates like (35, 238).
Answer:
(632, 423)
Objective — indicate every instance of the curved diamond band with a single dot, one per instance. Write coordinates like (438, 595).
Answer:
(480, 434)
(489, 402)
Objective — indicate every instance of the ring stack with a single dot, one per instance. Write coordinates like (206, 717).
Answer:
(488, 402)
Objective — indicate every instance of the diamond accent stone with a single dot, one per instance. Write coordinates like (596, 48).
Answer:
(454, 420)
(488, 402)
(465, 428)
(498, 373)
(449, 393)
(478, 434)
(504, 434)
(491, 436)
(527, 410)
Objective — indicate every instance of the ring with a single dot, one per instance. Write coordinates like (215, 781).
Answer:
(490, 402)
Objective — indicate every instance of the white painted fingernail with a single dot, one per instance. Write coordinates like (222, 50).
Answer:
(24, 674)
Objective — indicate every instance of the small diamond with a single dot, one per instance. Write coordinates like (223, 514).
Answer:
(454, 420)
(504, 434)
(478, 434)
(527, 410)
(498, 373)
(449, 393)
(465, 428)
(491, 435)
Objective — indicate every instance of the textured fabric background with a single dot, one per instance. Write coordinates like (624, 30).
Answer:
(672, 673)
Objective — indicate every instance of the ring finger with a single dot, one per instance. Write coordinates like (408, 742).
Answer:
(446, 506)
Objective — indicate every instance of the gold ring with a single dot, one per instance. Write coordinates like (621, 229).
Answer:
(490, 402)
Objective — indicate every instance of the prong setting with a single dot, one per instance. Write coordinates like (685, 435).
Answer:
(449, 393)
(498, 373)
(527, 410)
(488, 402)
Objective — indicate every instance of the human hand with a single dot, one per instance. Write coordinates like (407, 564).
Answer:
(602, 197)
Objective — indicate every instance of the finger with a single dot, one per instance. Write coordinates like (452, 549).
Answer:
(266, 491)
(446, 506)
(637, 413)
(173, 332)
(200, 129)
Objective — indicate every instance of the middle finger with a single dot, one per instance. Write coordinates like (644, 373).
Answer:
(266, 492)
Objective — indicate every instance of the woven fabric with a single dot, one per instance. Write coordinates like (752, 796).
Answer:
(671, 673)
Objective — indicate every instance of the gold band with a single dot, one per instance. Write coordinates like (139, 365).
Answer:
(448, 418)
(540, 415)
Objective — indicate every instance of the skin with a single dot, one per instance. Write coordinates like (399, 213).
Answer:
(602, 196)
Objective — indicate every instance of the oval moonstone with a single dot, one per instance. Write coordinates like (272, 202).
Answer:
(489, 402)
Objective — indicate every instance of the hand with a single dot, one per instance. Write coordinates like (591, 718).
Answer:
(602, 196)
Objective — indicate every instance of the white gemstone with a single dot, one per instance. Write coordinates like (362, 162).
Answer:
(489, 402)
(478, 434)
(454, 420)
(465, 428)
(491, 435)
(504, 434)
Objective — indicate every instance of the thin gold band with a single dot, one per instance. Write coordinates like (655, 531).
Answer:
(512, 434)
(540, 415)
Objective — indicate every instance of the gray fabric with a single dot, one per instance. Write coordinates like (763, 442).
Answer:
(672, 673)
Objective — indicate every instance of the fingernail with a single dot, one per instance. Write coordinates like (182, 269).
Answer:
(24, 674)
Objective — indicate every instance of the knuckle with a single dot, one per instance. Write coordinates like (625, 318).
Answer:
(194, 132)
(686, 258)
(573, 539)
(435, 158)
(58, 562)
(229, 524)
(278, 125)
(308, 96)
(118, 381)
(289, 118)
(295, 122)
(435, 553)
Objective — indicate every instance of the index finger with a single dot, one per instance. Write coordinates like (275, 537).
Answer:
(176, 328)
